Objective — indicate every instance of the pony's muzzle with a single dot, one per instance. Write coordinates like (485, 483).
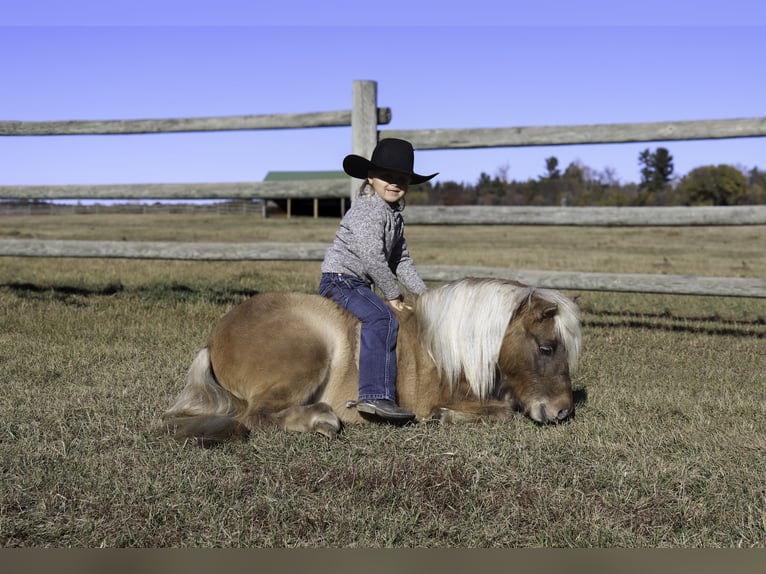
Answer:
(542, 416)
(563, 414)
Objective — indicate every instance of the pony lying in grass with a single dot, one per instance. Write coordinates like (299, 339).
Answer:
(469, 349)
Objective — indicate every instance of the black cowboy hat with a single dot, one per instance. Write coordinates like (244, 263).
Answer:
(390, 154)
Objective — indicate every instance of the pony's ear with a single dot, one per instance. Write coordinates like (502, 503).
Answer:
(549, 312)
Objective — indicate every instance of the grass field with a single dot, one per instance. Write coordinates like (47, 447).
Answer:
(668, 450)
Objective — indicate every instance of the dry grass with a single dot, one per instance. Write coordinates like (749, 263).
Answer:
(667, 450)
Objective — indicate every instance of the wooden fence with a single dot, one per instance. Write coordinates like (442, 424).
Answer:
(364, 119)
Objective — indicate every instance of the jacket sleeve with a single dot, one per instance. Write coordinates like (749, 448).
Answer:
(407, 272)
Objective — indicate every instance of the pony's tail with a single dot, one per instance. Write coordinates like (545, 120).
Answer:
(204, 410)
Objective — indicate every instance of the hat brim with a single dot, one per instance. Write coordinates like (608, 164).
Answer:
(358, 167)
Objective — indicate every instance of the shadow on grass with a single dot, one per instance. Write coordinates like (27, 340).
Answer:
(665, 321)
(580, 396)
(174, 292)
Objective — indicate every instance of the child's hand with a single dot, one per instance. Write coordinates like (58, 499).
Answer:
(398, 304)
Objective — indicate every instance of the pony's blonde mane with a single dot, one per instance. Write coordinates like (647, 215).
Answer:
(463, 323)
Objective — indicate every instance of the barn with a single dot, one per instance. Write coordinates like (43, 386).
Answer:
(318, 206)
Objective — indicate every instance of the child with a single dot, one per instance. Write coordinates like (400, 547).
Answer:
(369, 251)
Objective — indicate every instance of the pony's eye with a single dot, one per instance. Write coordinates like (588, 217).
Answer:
(546, 350)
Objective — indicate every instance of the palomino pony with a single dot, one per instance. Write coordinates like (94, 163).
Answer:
(469, 349)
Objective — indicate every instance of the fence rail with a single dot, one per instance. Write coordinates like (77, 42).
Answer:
(619, 282)
(231, 190)
(202, 251)
(428, 214)
(164, 250)
(364, 119)
(587, 216)
(153, 126)
(581, 134)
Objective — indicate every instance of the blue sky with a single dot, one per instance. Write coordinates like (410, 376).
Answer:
(475, 64)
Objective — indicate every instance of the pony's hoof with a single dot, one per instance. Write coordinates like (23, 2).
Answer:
(439, 415)
(328, 429)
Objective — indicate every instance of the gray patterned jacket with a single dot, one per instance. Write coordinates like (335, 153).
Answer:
(370, 245)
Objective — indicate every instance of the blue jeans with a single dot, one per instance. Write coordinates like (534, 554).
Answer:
(377, 350)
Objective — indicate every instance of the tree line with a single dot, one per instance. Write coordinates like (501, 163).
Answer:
(579, 185)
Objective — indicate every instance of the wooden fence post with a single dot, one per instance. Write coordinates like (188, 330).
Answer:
(364, 124)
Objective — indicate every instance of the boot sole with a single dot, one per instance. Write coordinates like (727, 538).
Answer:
(371, 410)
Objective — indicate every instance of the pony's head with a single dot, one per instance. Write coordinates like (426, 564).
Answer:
(506, 340)
(540, 349)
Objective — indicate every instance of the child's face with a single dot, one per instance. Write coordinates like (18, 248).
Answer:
(390, 185)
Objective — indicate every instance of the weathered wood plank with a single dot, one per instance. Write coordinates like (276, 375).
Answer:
(364, 130)
(163, 250)
(207, 124)
(243, 190)
(585, 216)
(581, 134)
(620, 282)
(416, 214)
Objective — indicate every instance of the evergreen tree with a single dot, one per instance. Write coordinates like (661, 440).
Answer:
(656, 171)
(552, 168)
